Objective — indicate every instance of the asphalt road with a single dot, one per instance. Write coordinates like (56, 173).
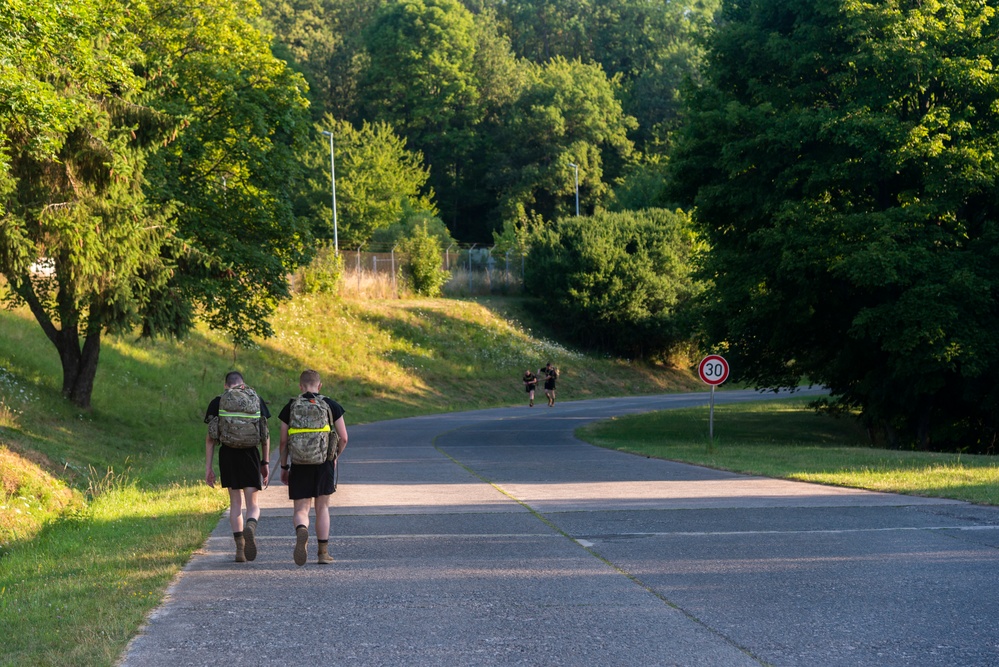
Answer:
(496, 538)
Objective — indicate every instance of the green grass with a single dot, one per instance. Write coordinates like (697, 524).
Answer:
(785, 439)
(101, 508)
(84, 586)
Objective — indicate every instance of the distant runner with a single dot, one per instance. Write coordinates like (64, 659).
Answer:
(530, 384)
(551, 375)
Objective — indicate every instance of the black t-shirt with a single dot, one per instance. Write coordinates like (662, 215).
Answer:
(335, 407)
(213, 409)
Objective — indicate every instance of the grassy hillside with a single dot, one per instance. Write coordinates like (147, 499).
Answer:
(99, 509)
(380, 359)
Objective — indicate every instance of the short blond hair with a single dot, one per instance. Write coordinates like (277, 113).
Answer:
(309, 378)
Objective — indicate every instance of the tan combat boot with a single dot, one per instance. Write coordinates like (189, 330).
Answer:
(240, 546)
(324, 554)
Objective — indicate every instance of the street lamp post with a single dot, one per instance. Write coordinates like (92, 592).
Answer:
(575, 168)
(336, 241)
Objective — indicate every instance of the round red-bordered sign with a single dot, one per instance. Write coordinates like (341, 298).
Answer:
(713, 369)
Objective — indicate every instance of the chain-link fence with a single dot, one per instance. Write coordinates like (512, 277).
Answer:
(475, 271)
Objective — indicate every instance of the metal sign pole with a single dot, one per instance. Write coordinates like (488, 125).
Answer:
(711, 417)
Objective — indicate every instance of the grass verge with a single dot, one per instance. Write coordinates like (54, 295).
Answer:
(785, 439)
(78, 593)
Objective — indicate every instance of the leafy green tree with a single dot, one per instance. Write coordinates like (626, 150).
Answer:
(544, 29)
(643, 185)
(619, 281)
(377, 179)
(78, 243)
(653, 46)
(423, 268)
(567, 113)
(324, 40)
(405, 227)
(232, 174)
(421, 79)
(842, 161)
(117, 121)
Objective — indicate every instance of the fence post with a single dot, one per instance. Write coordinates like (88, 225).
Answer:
(395, 288)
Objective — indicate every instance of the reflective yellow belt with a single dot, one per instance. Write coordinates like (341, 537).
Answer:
(240, 415)
(325, 429)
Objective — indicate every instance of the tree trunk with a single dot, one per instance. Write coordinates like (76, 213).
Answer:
(79, 366)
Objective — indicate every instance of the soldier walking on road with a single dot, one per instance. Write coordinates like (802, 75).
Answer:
(313, 434)
(237, 421)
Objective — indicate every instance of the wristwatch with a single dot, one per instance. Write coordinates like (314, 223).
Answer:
(285, 467)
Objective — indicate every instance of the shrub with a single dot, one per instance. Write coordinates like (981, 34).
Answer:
(422, 269)
(621, 282)
(323, 274)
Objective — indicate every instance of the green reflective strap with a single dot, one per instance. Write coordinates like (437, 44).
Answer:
(240, 415)
(293, 431)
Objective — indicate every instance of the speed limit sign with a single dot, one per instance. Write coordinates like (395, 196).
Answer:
(713, 369)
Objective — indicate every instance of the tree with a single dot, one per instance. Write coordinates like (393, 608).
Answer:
(232, 174)
(653, 46)
(618, 281)
(567, 113)
(77, 243)
(377, 179)
(544, 29)
(324, 40)
(113, 215)
(421, 79)
(843, 167)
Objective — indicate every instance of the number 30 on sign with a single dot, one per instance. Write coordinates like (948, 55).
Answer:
(713, 370)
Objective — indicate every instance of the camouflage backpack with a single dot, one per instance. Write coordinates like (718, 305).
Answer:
(311, 438)
(239, 418)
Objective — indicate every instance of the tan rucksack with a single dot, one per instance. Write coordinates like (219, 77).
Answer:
(239, 423)
(311, 438)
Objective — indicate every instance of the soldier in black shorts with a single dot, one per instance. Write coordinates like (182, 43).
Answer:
(243, 471)
(551, 375)
(530, 384)
(311, 482)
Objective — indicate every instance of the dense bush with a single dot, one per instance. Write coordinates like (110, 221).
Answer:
(423, 268)
(618, 281)
(324, 274)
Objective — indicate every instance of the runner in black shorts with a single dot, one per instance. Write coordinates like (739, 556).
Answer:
(308, 482)
(551, 374)
(530, 384)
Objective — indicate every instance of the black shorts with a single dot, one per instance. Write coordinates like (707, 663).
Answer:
(240, 468)
(531, 387)
(310, 481)
(550, 385)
